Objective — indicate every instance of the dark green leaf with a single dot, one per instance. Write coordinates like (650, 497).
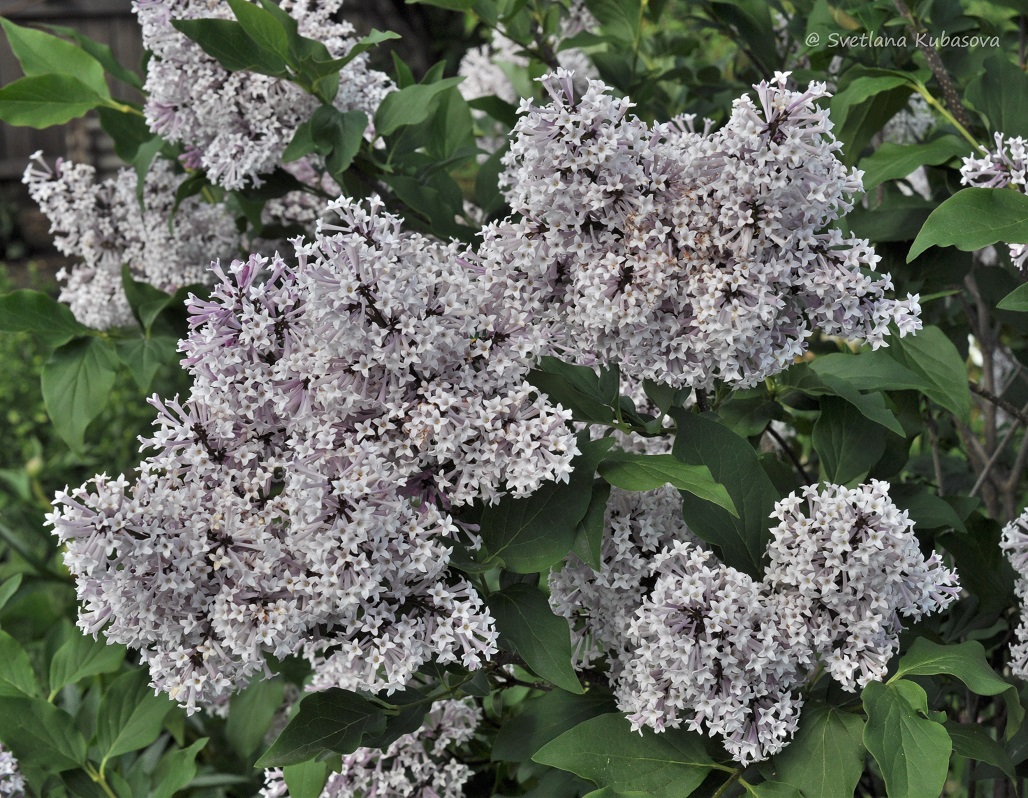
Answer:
(701, 440)
(531, 534)
(911, 750)
(261, 26)
(826, 757)
(300, 145)
(772, 789)
(545, 718)
(896, 161)
(176, 770)
(42, 53)
(995, 92)
(76, 383)
(41, 735)
(803, 378)
(128, 131)
(35, 312)
(974, 218)
(847, 443)
(526, 623)
(130, 716)
(250, 714)
(46, 100)
(226, 41)
(17, 679)
(1016, 300)
(82, 656)
(338, 136)
(934, 358)
(606, 751)
(974, 742)
(409, 106)
(332, 720)
(144, 357)
(588, 544)
(651, 471)
(146, 301)
(8, 589)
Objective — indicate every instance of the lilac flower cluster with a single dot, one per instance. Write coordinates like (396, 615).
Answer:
(1007, 165)
(417, 765)
(693, 641)
(238, 124)
(107, 226)
(686, 256)
(853, 564)
(299, 501)
(12, 785)
(1015, 544)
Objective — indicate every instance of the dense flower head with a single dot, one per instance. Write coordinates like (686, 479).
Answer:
(1007, 165)
(1015, 545)
(300, 500)
(691, 641)
(108, 226)
(714, 651)
(600, 604)
(417, 765)
(12, 785)
(237, 124)
(850, 558)
(689, 256)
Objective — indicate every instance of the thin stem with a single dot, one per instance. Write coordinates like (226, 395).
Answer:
(98, 778)
(941, 110)
(933, 439)
(790, 453)
(736, 775)
(998, 401)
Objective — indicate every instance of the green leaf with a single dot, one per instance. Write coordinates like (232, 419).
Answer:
(545, 718)
(1016, 300)
(41, 735)
(934, 358)
(45, 54)
(926, 509)
(144, 357)
(338, 136)
(531, 534)
(43, 101)
(128, 131)
(896, 161)
(526, 623)
(409, 106)
(450, 5)
(588, 545)
(300, 145)
(575, 387)
(8, 589)
(262, 27)
(618, 18)
(76, 383)
(847, 443)
(974, 218)
(651, 471)
(82, 656)
(995, 92)
(826, 757)
(228, 42)
(973, 742)
(911, 750)
(17, 679)
(102, 53)
(35, 312)
(701, 440)
(130, 716)
(803, 378)
(250, 714)
(606, 751)
(307, 779)
(176, 769)
(966, 661)
(867, 371)
(331, 720)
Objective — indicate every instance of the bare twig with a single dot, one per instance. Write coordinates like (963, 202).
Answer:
(790, 453)
(949, 89)
(998, 401)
